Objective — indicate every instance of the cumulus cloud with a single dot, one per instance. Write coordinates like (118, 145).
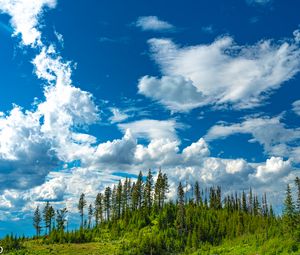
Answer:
(119, 151)
(274, 168)
(275, 137)
(35, 141)
(296, 107)
(221, 73)
(152, 129)
(153, 23)
(25, 18)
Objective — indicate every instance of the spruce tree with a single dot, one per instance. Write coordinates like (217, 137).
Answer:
(119, 200)
(107, 202)
(198, 194)
(137, 192)
(61, 218)
(46, 216)
(297, 182)
(37, 218)
(148, 191)
(98, 208)
(289, 209)
(90, 215)
(180, 217)
(81, 205)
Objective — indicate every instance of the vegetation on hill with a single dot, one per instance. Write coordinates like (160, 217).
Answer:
(136, 218)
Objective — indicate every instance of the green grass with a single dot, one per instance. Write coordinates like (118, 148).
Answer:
(249, 246)
(99, 248)
(246, 245)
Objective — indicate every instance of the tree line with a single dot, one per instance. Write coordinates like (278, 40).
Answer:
(140, 211)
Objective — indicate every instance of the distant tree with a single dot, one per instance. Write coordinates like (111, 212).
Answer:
(81, 205)
(289, 209)
(180, 217)
(137, 192)
(61, 218)
(107, 202)
(244, 202)
(37, 219)
(158, 190)
(148, 187)
(90, 215)
(45, 215)
(250, 202)
(297, 182)
(48, 215)
(165, 188)
(126, 196)
(98, 208)
(198, 198)
(119, 199)
(51, 215)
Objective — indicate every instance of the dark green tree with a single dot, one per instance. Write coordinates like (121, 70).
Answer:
(61, 219)
(107, 202)
(148, 187)
(37, 219)
(90, 215)
(98, 208)
(81, 205)
(137, 192)
(289, 210)
(180, 217)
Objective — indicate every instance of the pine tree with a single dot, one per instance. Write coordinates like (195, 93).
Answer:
(37, 218)
(250, 203)
(198, 194)
(81, 205)
(46, 216)
(244, 203)
(107, 202)
(165, 188)
(180, 218)
(137, 192)
(148, 191)
(98, 208)
(61, 218)
(51, 215)
(289, 210)
(119, 199)
(90, 215)
(297, 182)
(158, 189)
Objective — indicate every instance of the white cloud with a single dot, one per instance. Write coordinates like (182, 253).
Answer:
(34, 141)
(274, 168)
(270, 132)
(152, 129)
(117, 115)
(153, 23)
(118, 152)
(175, 92)
(296, 107)
(221, 73)
(25, 17)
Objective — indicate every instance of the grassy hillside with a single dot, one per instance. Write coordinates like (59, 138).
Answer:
(135, 219)
(246, 245)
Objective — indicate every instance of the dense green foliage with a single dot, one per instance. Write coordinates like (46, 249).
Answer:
(139, 218)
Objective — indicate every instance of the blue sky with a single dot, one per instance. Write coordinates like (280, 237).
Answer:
(94, 91)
